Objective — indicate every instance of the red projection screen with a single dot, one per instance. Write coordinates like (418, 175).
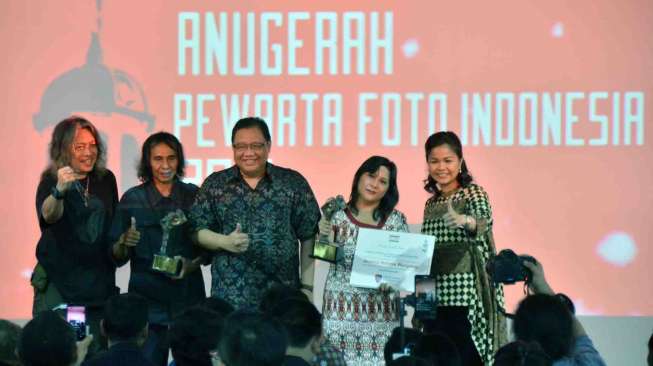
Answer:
(551, 100)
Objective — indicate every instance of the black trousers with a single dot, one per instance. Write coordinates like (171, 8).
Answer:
(452, 321)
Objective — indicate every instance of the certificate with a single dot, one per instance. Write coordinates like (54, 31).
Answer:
(390, 257)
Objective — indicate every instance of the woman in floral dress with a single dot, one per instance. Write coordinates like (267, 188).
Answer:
(357, 320)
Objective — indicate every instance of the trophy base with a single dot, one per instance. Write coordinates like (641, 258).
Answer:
(327, 252)
(167, 265)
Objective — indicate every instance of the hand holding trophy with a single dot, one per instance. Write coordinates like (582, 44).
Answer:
(187, 266)
(163, 263)
(323, 249)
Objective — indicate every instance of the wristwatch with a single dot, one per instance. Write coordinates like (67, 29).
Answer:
(57, 194)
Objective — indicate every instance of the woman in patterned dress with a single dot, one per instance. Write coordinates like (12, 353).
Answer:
(359, 321)
(459, 216)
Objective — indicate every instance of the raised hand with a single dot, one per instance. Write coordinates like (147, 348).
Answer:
(452, 218)
(325, 228)
(538, 284)
(65, 178)
(187, 266)
(237, 241)
(82, 348)
(131, 237)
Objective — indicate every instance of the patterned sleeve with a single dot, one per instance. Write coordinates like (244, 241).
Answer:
(425, 216)
(479, 208)
(201, 214)
(305, 212)
(402, 222)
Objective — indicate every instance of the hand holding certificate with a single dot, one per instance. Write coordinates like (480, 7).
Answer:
(390, 257)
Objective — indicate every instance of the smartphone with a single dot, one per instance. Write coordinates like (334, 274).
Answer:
(425, 297)
(76, 317)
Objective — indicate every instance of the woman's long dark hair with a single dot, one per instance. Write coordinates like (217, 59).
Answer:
(145, 168)
(450, 139)
(391, 197)
(60, 148)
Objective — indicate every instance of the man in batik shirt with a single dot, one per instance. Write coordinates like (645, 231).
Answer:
(253, 216)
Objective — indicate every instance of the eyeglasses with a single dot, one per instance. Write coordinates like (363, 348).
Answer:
(78, 148)
(255, 147)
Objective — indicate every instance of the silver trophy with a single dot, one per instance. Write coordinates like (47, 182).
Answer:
(323, 249)
(162, 262)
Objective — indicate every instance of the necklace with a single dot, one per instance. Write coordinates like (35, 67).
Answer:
(83, 191)
(86, 194)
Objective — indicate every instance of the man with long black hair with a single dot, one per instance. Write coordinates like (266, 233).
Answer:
(138, 235)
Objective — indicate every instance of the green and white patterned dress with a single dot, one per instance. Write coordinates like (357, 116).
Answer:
(459, 266)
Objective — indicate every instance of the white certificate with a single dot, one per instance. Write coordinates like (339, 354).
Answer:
(390, 257)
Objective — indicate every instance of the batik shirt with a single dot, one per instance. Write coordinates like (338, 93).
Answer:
(276, 214)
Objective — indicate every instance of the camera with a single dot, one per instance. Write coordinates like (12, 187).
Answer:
(507, 267)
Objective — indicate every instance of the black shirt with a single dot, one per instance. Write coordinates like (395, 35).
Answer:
(74, 250)
(276, 215)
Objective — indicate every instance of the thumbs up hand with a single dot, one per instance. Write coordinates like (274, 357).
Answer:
(131, 237)
(452, 219)
(237, 241)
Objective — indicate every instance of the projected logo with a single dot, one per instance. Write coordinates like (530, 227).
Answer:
(111, 99)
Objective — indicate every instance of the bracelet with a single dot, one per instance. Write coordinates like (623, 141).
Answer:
(307, 287)
(57, 194)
